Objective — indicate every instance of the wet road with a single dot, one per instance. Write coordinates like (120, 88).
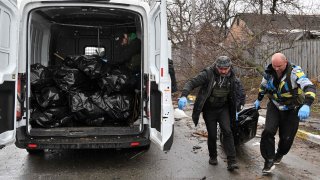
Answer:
(188, 159)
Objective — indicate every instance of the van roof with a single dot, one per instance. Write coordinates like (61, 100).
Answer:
(142, 3)
(117, 1)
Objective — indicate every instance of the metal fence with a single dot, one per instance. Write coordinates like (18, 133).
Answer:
(304, 53)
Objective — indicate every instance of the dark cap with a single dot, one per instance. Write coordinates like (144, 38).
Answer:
(223, 61)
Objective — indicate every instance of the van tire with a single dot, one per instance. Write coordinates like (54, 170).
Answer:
(35, 151)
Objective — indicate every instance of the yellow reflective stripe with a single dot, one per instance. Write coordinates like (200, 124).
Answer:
(288, 94)
(312, 94)
(300, 74)
(261, 90)
(275, 96)
(282, 83)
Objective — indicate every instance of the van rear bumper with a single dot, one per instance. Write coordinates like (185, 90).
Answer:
(90, 142)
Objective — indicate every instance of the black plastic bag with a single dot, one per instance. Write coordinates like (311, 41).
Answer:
(52, 117)
(117, 106)
(92, 66)
(40, 76)
(120, 106)
(70, 79)
(114, 82)
(95, 122)
(51, 97)
(245, 128)
(84, 108)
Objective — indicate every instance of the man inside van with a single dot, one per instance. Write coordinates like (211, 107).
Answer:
(129, 51)
(220, 97)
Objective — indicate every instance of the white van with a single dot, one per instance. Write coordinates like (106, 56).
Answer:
(46, 33)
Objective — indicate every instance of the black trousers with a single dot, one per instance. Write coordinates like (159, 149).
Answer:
(222, 116)
(287, 122)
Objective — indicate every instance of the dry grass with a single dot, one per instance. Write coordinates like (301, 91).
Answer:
(251, 86)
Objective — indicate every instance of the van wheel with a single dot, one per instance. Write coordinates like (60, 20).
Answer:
(35, 151)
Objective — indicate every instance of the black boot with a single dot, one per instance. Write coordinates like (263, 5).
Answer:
(232, 165)
(277, 159)
(213, 161)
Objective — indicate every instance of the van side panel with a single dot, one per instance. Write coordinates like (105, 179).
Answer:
(7, 105)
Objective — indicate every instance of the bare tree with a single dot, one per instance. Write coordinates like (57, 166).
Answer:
(275, 6)
(213, 36)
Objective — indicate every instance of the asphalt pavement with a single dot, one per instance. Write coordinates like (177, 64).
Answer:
(187, 159)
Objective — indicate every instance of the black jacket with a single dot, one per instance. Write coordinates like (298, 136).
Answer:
(206, 79)
(124, 53)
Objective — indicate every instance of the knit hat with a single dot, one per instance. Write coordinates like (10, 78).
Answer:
(223, 61)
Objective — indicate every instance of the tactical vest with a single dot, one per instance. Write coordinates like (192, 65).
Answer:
(219, 94)
(292, 97)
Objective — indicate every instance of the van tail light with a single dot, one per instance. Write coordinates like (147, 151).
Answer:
(134, 144)
(32, 146)
(18, 106)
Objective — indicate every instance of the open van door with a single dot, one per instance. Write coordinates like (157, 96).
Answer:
(8, 69)
(161, 109)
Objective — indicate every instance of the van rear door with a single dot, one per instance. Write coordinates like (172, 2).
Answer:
(161, 109)
(8, 67)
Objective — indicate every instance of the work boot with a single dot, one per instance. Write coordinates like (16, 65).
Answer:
(213, 161)
(268, 167)
(232, 165)
(277, 159)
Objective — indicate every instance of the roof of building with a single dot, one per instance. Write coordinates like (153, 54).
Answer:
(258, 23)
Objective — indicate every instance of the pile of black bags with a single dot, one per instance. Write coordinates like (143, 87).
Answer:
(84, 90)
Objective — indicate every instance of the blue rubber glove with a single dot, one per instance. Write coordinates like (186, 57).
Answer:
(182, 103)
(257, 104)
(304, 112)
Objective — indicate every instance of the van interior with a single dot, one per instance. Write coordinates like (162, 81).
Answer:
(85, 71)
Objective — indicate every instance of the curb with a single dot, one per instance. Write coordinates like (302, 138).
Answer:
(308, 136)
(304, 135)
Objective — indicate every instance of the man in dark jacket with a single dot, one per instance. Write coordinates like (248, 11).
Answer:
(220, 97)
(127, 51)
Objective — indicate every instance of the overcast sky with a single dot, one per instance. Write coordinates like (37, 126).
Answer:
(311, 6)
